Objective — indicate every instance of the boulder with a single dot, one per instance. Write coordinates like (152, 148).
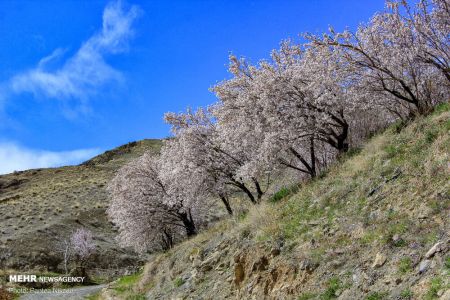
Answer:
(379, 260)
(438, 247)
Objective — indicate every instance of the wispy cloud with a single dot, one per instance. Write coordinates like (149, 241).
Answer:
(80, 76)
(14, 157)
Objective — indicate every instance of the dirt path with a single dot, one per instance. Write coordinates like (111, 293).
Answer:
(72, 294)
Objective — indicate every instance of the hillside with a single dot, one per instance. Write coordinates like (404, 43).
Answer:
(38, 207)
(375, 226)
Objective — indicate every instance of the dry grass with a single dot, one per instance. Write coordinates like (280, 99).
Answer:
(38, 205)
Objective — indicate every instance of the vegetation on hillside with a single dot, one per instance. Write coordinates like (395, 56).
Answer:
(311, 104)
(365, 229)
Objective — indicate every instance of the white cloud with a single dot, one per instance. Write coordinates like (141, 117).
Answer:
(81, 75)
(14, 157)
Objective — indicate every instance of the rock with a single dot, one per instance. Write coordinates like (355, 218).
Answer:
(221, 266)
(424, 212)
(261, 264)
(206, 268)
(345, 295)
(194, 273)
(196, 262)
(307, 265)
(446, 295)
(396, 238)
(275, 251)
(239, 273)
(438, 247)
(337, 263)
(208, 264)
(379, 261)
(424, 265)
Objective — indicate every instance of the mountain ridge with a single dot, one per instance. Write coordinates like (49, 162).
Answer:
(38, 207)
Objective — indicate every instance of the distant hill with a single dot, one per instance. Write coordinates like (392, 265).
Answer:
(38, 207)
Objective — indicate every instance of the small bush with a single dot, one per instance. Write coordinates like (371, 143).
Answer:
(431, 135)
(436, 285)
(306, 296)
(440, 108)
(391, 151)
(283, 193)
(447, 263)
(398, 126)
(334, 284)
(126, 283)
(376, 296)
(353, 152)
(406, 294)
(405, 265)
(178, 282)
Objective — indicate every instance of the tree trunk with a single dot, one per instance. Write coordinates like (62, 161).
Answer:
(312, 152)
(188, 222)
(258, 189)
(248, 193)
(167, 240)
(342, 145)
(226, 202)
(310, 168)
(244, 188)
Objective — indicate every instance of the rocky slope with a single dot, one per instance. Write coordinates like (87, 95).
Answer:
(375, 226)
(38, 207)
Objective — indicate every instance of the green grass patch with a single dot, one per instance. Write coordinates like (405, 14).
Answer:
(126, 283)
(436, 284)
(352, 152)
(306, 296)
(447, 263)
(368, 238)
(95, 296)
(376, 296)
(406, 294)
(178, 282)
(284, 192)
(334, 284)
(440, 108)
(405, 265)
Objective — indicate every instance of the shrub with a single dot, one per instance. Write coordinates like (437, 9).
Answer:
(282, 193)
(178, 282)
(405, 265)
(306, 296)
(436, 285)
(406, 294)
(376, 296)
(334, 284)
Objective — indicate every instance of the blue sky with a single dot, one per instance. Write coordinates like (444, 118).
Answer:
(81, 77)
